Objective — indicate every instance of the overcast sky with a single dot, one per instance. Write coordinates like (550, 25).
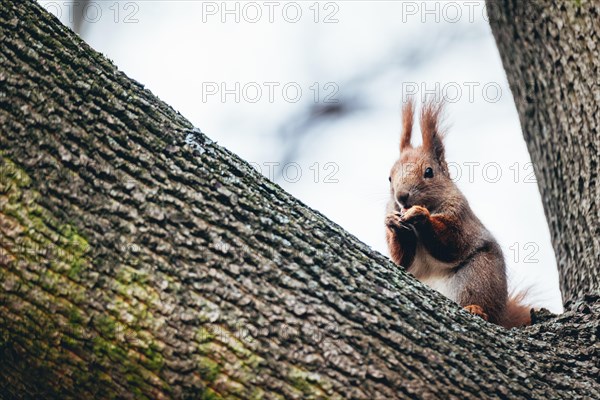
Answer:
(310, 93)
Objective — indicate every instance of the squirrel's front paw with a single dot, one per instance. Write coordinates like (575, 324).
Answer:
(415, 214)
(476, 310)
(394, 221)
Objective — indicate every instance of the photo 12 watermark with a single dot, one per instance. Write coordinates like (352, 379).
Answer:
(477, 171)
(91, 12)
(443, 11)
(524, 253)
(453, 12)
(293, 172)
(253, 12)
(452, 92)
(270, 92)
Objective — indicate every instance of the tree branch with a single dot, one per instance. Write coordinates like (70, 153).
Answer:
(552, 59)
(138, 259)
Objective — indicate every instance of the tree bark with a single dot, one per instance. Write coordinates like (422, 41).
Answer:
(551, 53)
(138, 259)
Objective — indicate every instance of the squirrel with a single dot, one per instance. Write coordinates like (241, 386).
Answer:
(433, 233)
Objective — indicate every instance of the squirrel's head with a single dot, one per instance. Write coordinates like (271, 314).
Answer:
(420, 176)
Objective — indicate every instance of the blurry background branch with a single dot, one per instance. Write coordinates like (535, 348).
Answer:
(79, 9)
(354, 91)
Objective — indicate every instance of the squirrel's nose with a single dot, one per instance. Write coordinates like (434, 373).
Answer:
(403, 197)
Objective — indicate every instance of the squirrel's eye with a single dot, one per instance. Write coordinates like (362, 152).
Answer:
(390, 178)
(428, 172)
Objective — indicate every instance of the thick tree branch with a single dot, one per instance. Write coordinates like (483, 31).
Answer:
(551, 54)
(140, 260)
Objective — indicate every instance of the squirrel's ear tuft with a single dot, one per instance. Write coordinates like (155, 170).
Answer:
(431, 115)
(408, 112)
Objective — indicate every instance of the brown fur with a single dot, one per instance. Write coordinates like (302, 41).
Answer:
(432, 231)
(396, 232)
(408, 111)
(431, 114)
(516, 314)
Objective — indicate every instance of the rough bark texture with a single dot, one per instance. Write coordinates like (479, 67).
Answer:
(551, 53)
(138, 259)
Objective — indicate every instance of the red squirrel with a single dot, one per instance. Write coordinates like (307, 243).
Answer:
(434, 234)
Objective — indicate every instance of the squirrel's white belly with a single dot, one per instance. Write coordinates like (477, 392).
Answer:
(436, 274)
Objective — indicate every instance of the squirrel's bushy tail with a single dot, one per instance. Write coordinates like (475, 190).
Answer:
(516, 313)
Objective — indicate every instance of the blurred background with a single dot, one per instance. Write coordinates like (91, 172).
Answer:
(310, 93)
